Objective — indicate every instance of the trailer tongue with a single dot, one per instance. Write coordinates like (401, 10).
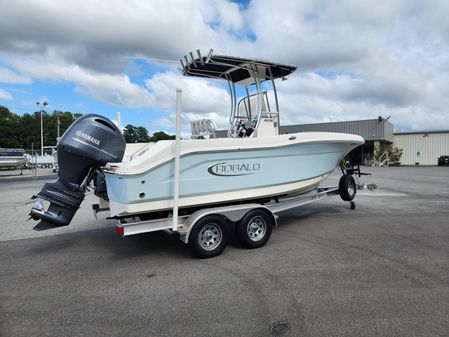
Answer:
(89, 143)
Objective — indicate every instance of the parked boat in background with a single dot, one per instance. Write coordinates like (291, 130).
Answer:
(12, 158)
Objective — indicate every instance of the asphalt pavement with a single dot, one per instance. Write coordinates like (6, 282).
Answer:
(379, 270)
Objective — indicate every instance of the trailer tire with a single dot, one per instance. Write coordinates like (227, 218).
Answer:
(44, 166)
(347, 187)
(254, 229)
(209, 236)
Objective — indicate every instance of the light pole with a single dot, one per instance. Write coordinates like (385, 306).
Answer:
(42, 106)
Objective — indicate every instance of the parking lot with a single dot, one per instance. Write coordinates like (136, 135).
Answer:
(379, 270)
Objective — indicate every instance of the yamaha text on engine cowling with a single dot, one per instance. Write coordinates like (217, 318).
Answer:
(89, 143)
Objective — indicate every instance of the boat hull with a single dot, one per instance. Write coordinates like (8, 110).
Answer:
(12, 158)
(12, 162)
(231, 174)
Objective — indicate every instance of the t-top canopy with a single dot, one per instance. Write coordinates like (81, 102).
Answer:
(235, 69)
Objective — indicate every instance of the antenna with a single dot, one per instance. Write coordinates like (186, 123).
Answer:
(199, 56)
(209, 55)
(193, 59)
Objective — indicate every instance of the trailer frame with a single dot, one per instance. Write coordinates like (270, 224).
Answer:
(232, 215)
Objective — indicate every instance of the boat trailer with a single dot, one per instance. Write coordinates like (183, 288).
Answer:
(207, 230)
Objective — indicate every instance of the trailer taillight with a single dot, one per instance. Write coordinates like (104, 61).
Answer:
(121, 230)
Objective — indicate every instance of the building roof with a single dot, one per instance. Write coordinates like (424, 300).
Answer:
(420, 132)
(379, 129)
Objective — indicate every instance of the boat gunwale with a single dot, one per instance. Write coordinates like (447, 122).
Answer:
(229, 147)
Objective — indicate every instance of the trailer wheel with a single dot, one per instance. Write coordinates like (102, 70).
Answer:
(254, 230)
(44, 166)
(208, 237)
(347, 187)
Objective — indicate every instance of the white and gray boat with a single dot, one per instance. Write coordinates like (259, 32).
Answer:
(255, 163)
(12, 158)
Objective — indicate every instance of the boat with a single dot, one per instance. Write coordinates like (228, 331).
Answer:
(254, 163)
(12, 158)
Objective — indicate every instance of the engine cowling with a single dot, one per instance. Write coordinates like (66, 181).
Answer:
(89, 143)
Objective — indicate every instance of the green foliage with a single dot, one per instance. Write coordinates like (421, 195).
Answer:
(129, 133)
(9, 126)
(24, 131)
(394, 153)
(160, 136)
(135, 134)
(138, 134)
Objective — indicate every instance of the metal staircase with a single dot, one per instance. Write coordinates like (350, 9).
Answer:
(384, 160)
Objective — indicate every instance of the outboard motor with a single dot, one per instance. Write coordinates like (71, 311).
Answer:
(89, 143)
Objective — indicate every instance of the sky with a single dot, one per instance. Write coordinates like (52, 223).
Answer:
(356, 59)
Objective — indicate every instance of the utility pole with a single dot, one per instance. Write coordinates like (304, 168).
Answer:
(119, 121)
(42, 105)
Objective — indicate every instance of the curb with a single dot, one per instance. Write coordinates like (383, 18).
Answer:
(26, 178)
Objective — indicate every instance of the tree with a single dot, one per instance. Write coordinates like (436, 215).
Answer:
(29, 131)
(9, 128)
(142, 135)
(24, 131)
(65, 120)
(134, 134)
(130, 134)
(139, 134)
(394, 153)
(160, 136)
(30, 125)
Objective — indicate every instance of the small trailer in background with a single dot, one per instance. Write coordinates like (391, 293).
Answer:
(45, 161)
(48, 160)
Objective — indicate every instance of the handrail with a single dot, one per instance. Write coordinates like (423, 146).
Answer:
(384, 159)
(247, 98)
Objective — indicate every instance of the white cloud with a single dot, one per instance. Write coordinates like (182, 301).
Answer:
(98, 34)
(356, 59)
(115, 89)
(5, 95)
(312, 98)
(229, 15)
(199, 95)
(8, 76)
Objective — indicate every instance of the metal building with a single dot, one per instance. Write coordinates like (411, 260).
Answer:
(419, 148)
(422, 148)
(374, 131)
